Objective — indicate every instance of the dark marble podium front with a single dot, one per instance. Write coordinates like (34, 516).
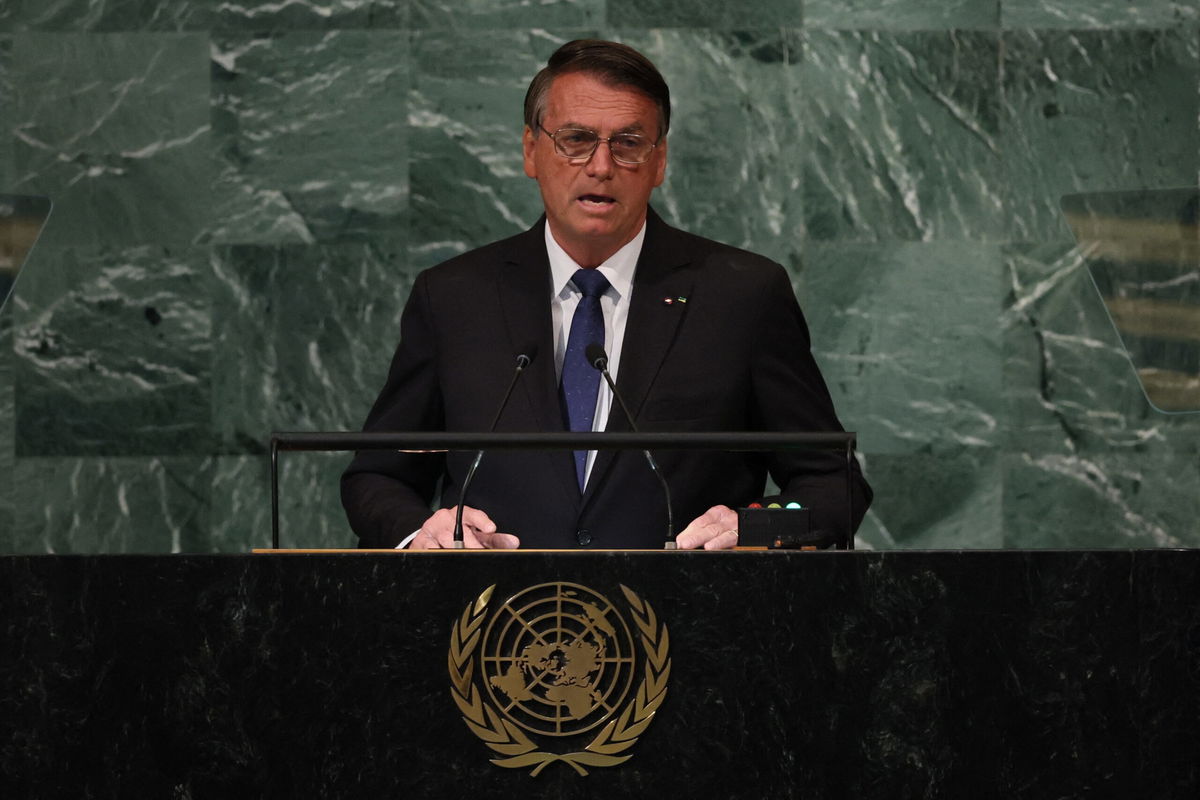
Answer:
(817, 675)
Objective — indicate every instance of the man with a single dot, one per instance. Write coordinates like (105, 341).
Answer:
(700, 337)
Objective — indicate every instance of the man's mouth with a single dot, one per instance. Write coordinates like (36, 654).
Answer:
(596, 199)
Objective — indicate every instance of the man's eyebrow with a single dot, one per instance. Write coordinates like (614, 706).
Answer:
(635, 127)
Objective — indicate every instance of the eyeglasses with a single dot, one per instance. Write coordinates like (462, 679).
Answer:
(579, 144)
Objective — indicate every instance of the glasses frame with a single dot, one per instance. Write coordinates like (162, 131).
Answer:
(599, 139)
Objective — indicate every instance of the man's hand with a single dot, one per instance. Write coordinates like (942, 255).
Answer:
(715, 529)
(479, 532)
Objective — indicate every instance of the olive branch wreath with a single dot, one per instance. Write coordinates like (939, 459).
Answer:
(508, 740)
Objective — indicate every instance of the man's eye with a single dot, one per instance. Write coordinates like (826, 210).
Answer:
(627, 141)
(577, 137)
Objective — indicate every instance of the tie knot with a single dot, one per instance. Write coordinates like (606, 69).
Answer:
(590, 282)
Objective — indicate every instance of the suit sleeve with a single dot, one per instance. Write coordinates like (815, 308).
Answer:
(387, 495)
(791, 395)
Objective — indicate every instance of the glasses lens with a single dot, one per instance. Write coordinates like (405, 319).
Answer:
(630, 148)
(574, 143)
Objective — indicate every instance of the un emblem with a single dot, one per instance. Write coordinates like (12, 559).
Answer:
(558, 661)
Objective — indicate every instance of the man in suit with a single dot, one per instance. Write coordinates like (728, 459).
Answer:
(700, 337)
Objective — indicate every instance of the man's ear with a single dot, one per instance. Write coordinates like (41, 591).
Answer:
(660, 153)
(527, 145)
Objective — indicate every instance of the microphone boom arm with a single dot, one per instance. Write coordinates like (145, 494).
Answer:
(599, 360)
(522, 362)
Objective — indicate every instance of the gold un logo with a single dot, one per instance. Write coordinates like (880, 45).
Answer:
(557, 662)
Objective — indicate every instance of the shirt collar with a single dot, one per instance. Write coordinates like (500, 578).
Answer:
(618, 269)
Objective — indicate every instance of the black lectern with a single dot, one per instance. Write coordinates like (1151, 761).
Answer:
(728, 675)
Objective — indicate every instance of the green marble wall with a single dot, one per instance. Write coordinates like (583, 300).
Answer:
(245, 191)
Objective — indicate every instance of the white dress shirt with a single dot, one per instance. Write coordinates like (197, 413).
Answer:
(564, 299)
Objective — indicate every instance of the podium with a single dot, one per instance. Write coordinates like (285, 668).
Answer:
(791, 674)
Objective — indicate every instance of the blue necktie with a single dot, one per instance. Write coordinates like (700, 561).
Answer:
(580, 380)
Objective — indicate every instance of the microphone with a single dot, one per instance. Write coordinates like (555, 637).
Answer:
(524, 359)
(599, 360)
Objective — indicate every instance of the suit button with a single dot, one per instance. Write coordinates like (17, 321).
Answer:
(583, 537)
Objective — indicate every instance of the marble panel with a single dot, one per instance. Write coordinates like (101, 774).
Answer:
(1069, 386)
(113, 352)
(735, 159)
(1079, 14)
(107, 15)
(310, 134)
(1090, 462)
(7, 91)
(310, 502)
(7, 412)
(494, 14)
(115, 129)
(950, 501)
(907, 337)
(302, 338)
(1141, 498)
(894, 15)
(1093, 111)
(713, 14)
(271, 15)
(240, 515)
(465, 122)
(903, 136)
(112, 505)
(310, 508)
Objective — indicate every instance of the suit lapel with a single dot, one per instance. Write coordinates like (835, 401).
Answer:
(650, 328)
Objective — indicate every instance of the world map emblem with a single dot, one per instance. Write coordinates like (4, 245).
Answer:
(556, 673)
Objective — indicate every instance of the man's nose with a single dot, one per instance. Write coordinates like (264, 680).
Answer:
(601, 164)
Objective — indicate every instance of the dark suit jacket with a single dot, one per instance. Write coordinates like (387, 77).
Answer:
(734, 357)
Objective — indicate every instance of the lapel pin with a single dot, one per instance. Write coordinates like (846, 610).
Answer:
(670, 301)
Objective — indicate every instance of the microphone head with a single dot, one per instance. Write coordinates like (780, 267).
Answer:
(596, 356)
(527, 354)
